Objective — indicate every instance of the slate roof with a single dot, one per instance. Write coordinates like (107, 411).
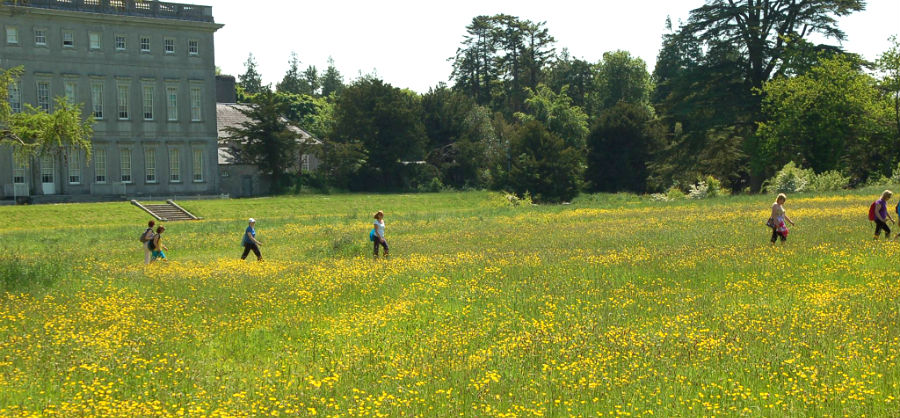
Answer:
(229, 114)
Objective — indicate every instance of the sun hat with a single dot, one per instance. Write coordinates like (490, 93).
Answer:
(252, 220)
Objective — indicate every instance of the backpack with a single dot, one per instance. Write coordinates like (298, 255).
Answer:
(144, 238)
(372, 235)
(872, 211)
(150, 245)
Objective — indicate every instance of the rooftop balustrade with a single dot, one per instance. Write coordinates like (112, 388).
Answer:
(141, 8)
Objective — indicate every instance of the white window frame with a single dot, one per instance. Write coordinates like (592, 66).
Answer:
(18, 174)
(169, 46)
(95, 40)
(123, 101)
(123, 45)
(125, 166)
(304, 163)
(148, 92)
(196, 104)
(40, 37)
(42, 93)
(71, 89)
(97, 99)
(172, 103)
(12, 35)
(68, 36)
(48, 169)
(174, 165)
(74, 168)
(145, 46)
(150, 166)
(99, 166)
(193, 47)
(197, 166)
(15, 97)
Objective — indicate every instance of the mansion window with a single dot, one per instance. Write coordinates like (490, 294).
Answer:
(148, 102)
(68, 39)
(196, 100)
(18, 171)
(48, 167)
(174, 166)
(150, 165)
(71, 91)
(198, 165)
(125, 165)
(193, 47)
(12, 35)
(169, 45)
(15, 97)
(172, 103)
(123, 101)
(74, 169)
(145, 44)
(40, 37)
(97, 100)
(121, 43)
(43, 96)
(100, 166)
(94, 40)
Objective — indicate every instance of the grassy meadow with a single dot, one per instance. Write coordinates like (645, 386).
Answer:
(611, 306)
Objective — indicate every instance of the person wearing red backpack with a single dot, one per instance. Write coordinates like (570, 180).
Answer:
(878, 212)
(779, 215)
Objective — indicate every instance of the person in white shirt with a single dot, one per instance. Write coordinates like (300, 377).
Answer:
(779, 215)
(379, 233)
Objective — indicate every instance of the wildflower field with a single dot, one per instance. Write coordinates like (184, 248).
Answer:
(611, 306)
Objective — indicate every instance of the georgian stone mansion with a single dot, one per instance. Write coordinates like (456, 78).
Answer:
(145, 70)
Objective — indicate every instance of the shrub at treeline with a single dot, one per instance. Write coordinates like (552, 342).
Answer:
(726, 101)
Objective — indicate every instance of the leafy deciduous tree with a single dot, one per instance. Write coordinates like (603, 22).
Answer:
(543, 165)
(831, 118)
(622, 142)
(889, 65)
(621, 77)
(557, 114)
(386, 122)
(33, 133)
(266, 139)
(575, 73)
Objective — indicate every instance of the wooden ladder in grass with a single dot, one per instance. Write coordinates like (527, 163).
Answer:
(170, 211)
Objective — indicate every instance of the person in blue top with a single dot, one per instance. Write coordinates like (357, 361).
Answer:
(249, 241)
(378, 236)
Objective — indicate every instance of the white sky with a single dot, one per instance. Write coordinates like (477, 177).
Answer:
(407, 42)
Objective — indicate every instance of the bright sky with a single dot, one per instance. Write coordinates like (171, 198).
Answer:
(407, 42)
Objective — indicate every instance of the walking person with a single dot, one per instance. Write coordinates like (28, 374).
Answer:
(249, 241)
(157, 246)
(776, 222)
(379, 234)
(882, 215)
(146, 237)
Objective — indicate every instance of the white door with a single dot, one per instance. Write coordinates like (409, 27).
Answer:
(48, 169)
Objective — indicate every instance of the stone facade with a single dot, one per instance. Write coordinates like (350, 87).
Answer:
(145, 70)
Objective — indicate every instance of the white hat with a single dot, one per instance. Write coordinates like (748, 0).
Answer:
(252, 220)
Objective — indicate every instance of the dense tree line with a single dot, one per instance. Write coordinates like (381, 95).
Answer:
(738, 91)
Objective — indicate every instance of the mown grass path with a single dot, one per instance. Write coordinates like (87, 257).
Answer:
(611, 306)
